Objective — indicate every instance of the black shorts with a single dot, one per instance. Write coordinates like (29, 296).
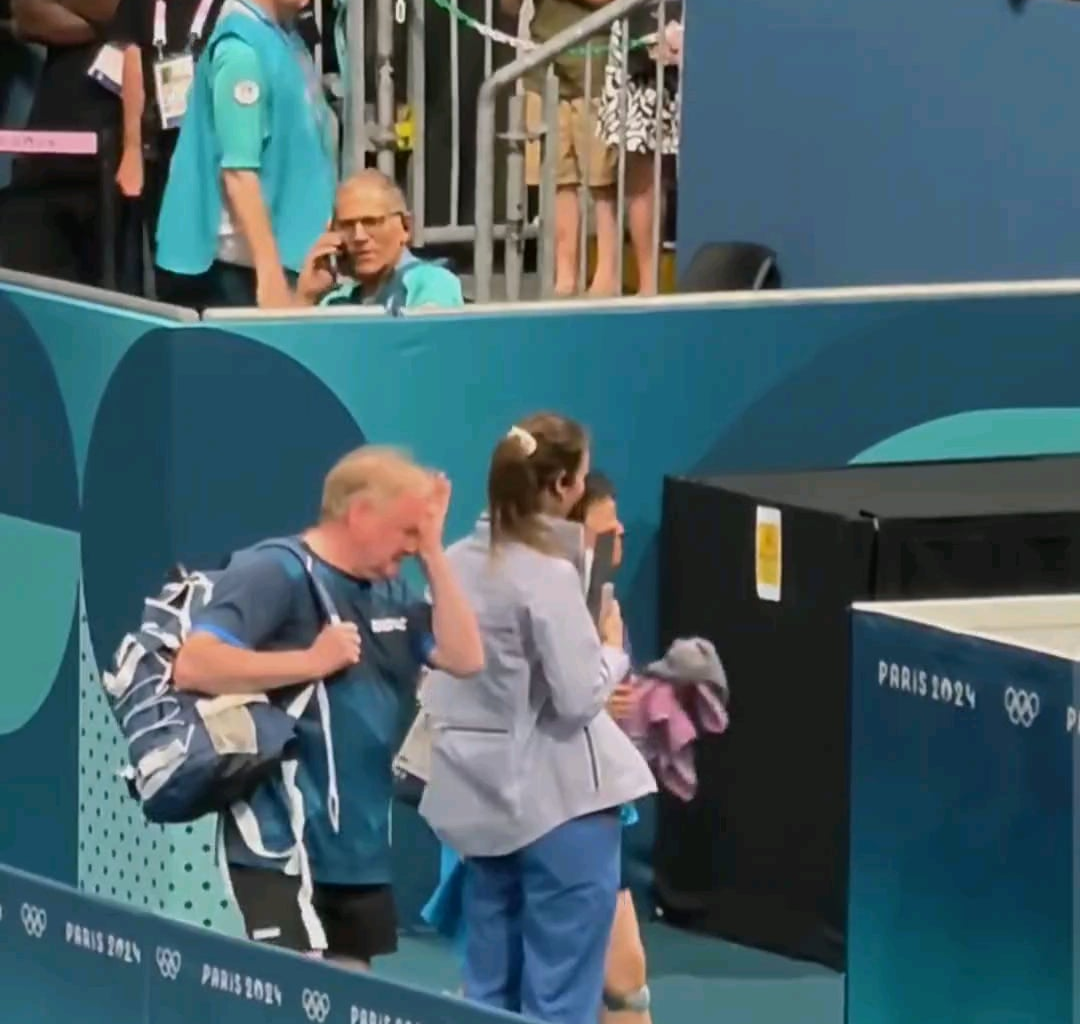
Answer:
(360, 921)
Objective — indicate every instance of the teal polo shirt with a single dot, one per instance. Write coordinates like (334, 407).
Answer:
(414, 284)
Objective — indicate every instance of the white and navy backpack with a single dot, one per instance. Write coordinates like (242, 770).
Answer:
(191, 755)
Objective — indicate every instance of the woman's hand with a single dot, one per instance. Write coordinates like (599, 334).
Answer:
(612, 632)
(622, 700)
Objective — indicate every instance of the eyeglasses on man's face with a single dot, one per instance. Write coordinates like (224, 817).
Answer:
(369, 224)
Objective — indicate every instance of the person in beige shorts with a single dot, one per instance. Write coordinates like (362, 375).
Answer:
(581, 157)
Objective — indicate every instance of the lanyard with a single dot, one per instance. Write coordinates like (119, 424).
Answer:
(198, 23)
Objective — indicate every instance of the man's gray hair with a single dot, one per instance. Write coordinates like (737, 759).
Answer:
(371, 178)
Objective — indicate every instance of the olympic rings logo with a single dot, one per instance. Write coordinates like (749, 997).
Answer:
(1022, 707)
(169, 962)
(34, 920)
(316, 1005)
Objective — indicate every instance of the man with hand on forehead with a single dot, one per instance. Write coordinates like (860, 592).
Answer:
(364, 259)
(264, 631)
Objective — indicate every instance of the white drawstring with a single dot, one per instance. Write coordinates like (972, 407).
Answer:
(333, 803)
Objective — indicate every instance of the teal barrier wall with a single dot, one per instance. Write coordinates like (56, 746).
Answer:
(66, 956)
(128, 442)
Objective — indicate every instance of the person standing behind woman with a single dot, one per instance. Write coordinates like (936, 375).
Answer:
(528, 770)
(626, 989)
(251, 186)
(160, 41)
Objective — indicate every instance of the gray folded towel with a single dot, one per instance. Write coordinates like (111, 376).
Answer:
(691, 660)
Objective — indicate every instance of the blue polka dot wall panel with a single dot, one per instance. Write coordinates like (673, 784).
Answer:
(39, 548)
(51, 352)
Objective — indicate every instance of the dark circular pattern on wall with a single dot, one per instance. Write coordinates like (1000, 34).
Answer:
(204, 442)
(37, 457)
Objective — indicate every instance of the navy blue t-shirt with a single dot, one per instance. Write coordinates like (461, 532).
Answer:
(264, 601)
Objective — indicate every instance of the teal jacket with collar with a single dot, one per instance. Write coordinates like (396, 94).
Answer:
(414, 284)
(297, 175)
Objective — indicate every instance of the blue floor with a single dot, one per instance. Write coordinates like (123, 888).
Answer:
(692, 978)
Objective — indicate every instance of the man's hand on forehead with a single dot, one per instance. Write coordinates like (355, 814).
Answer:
(437, 503)
(440, 489)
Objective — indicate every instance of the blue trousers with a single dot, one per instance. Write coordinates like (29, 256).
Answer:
(538, 922)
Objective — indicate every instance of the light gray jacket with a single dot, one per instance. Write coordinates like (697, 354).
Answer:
(527, 744)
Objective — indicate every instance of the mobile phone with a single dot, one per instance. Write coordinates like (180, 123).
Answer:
(607, 599)
(600, 575)
(337, 259)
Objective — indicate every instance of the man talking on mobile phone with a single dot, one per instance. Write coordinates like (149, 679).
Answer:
(365, 260)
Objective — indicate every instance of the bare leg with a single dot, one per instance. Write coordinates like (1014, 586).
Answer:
(641, 190)
(625, 972)
(605, 280)
(567, 219)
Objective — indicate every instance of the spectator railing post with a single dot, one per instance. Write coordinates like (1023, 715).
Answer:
(515, 200)
(356, 95)
(658, 147)
(584, 192)
(484, 254)
(489, 49)
(620, 196)
(416, 83)
(547, 183)
(107, 223)
(385, 114)
(454, 181)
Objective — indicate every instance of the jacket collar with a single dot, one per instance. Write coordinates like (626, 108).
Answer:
(569, 537)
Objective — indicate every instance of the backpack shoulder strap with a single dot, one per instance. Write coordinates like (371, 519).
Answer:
(306, 559)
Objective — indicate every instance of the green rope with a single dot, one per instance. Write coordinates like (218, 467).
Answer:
(451, 8)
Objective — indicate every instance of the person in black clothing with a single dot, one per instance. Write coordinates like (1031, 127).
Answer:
(153, 33)
(50, 218)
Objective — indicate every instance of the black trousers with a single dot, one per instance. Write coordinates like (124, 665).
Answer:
(53, 229)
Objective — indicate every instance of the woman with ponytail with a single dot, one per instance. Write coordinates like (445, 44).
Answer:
(529, 772)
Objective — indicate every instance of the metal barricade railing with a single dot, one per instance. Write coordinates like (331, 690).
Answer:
(542, 57)
(372, 127)
(488, 57)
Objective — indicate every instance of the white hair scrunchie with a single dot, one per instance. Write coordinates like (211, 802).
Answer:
(523, 438)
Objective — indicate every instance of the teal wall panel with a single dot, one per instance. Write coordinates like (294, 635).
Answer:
(128, 442)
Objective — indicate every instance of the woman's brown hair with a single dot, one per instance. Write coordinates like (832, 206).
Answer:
(598, 487)
(537, 454)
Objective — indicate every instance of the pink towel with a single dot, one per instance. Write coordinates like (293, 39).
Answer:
(662, 725)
